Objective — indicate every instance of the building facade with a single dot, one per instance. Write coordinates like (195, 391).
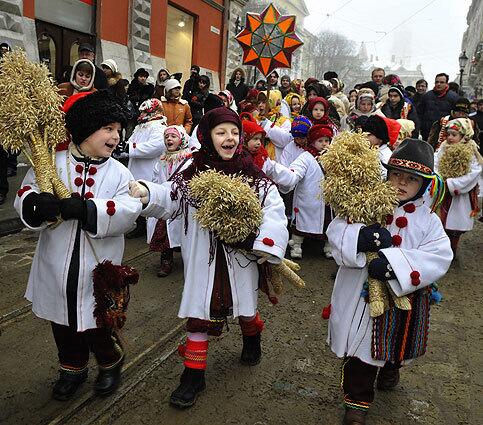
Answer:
(472, 44)
(152, 34)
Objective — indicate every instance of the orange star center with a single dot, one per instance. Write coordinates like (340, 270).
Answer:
(267, 39)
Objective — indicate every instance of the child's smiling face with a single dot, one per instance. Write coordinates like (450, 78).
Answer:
(102, 142)
(407, 184)
(172, 142)
(226, 137)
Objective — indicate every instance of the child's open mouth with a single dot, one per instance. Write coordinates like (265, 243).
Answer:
(228, 147)
(110, 145)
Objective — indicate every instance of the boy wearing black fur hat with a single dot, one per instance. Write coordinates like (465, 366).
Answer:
(95, 219)
(413, 252)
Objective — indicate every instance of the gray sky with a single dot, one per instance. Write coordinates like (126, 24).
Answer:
(431, 37)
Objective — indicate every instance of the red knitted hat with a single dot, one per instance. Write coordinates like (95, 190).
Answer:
(320, 130)
(251, 128)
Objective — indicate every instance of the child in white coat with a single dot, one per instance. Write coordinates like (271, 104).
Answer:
(95, 218)
(414, 251)
(220, 280)
(164, 235)
(299, 131)
(310, 214)
(145, 146)
(460, 205)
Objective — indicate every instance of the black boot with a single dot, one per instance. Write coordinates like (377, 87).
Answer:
(354, 417)
(140, 229)
(67, 384)
(252, 350)
(166, 265)
(108, 380)
(387, 379)
(191, 383)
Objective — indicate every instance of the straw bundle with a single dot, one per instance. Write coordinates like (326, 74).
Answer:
(285, 272)
(31, 119)
(455, 160)
(227, 205)
(353, 187)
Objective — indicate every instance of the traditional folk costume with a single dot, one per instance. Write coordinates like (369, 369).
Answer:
(460, 166)
(286, 106)
(325, 120)
(311, 215)
(280, 175)
(95, 219)
(386, 130)
(164, 235)
(299, 131)
(220, 280)
(355, 117)
(275, 124)
(420, 254)
(144, 147)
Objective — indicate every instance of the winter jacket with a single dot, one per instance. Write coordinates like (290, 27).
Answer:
(402, 110)
(432, 108)
(178, 112)
(138, 92)
(239, 91)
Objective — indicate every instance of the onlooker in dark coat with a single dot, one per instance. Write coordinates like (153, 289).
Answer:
(285, 85)
(237, 86)
(436, 103)
(86, 51)
(139, 89)
(421, 89)
(197, 101)
(477, 117)
(191, 85)
(397, 107)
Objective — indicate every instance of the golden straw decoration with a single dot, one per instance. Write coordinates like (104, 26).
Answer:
(31, 119)
(354, 188)
(455, 160)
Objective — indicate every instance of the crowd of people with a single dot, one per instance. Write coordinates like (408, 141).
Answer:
(272, 137)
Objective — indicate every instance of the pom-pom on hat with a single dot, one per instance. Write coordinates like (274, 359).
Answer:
(87, 113)
(320, 130)
(300, 127)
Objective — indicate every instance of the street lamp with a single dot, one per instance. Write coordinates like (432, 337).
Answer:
(463, 60)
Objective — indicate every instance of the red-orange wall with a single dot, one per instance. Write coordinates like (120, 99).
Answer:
(29, 8)
(112, 20)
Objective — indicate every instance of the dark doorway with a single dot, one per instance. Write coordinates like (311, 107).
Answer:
(58, 47)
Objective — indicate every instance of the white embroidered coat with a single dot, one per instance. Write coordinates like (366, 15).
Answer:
(280, 136)
(195, 246)
(48, 275)
(459, 217)
(425, 248)
(146, 145)
(308, 200)
(161, 174)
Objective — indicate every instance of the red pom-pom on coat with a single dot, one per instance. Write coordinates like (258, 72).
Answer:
(88, 195)
(456, 192)
(389, 219)
(268, 242)
(79, 168)
(415, 281)
(296, 210)
(401, 222)
(90, 182)
(111, 211)
(409, 208)
(326, 312)
(78, 181)
(92, 171)
(110, 204)
(397, 240)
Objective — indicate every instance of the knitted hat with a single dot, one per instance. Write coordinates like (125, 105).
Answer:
(413, 156)
(397, 90)
(111, 64)
(376, 126)
(250, 128)
(171, 84)
(141, 71)
(87, 113)
(462, 105)
(320, 130)
(300, 126)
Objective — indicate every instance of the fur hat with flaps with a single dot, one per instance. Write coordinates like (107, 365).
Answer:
(88, 113)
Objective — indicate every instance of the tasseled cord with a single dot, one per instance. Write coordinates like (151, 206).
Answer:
(437, 189)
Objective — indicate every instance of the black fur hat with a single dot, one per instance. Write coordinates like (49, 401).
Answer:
(212, 101)
(376, 126)
(92, 112)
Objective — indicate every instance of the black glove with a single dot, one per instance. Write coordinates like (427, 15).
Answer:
(73, 209)
(373, 238)
(40, 207)
(380, 269)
